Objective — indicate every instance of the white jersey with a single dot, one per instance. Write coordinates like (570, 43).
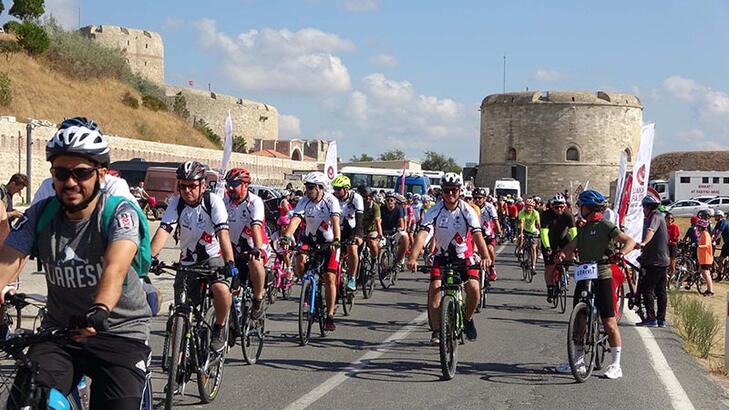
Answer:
(610, 216)
(352, 205)
(452, 229)
(241, 219)
(115, 186)
(488, 216)
(318, 216)
(198, 228)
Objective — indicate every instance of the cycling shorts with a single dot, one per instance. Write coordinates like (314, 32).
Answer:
(215, 264)
(242, 265)
(549, 257)
(604, 296)
(490, 241)
(724, 250)
(332, 257)
(117, 366)
(466, 274)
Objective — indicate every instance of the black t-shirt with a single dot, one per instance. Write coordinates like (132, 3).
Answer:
(5, 198)
(558, 226)
(391, 219)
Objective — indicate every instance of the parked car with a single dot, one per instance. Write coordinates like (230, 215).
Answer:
(720, 203)
(704, 198)
(687, 207)
(161, 183)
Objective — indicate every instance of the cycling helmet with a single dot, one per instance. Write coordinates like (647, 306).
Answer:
(650, 201)
(238, 174)
(400, 199)
(80, 137)
(451, 179)
(364, 191)
(591, 198)
(391, 194)
(284, 220)
(316, 178)
(719, 213)
(703, 214)
(537, 199)
(702, 223)
(529, 202)
(519, 199)
(479, 192)
(191, 170)
(694, 219)
(416, 197)
(558, 199)
(341, 181)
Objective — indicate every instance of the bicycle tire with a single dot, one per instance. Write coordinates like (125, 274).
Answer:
(252, 339)
(600, 348)
(271, 295)
(368, 285)
(580, 310)
(213, 366)
(385, 269)
(164, 361)
(480, 284)
(563, 290)
(179, 326)
(700, 283)
(342, 297)
(286, 290)
(306, 316)
(321, 311)
(448, 344)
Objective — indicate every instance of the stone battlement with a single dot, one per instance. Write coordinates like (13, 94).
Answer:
(564, 97)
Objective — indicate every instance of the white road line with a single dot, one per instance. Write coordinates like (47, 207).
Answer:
(679, 399)
(339, 378)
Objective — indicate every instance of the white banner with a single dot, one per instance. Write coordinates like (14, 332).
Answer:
(620, 184)
(330, 165)
(641, 171)
(227, 151)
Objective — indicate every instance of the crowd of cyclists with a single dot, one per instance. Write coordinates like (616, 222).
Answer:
(94, 246)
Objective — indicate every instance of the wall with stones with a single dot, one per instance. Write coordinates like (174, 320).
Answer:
(144, 50)
(251, 119)
(542, 126)
(13, 155)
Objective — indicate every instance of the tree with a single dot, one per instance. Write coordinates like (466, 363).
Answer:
(361, 158)
(438, 162)
(2, 7)
(392, 155)
(239, 144)
(27, 9)
(32, 38)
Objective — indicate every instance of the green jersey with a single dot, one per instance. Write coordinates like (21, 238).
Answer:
(531, 220)
(368, 218)
(593, 240)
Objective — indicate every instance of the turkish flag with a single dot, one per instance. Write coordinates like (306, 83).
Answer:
(206, 237)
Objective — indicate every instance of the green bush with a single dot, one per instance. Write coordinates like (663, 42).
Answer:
(239, 144)
(203, 127)
(153, 103)
(9, 47)
(32, 38)
(130, 101)
(144, 86)
(145, 130)
(6, 91)
(696, 324)
(179, 107)
(12, 26)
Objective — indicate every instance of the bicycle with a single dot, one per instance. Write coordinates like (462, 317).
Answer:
(252, 331)
(561, 283)
(485, 285)
(527, 263)
(282, 278)
(585, 327)
(367, 268)
(633, 275)
(452, 318)
(311, 302)
(344, 294)
(388, 268)
(186, 348)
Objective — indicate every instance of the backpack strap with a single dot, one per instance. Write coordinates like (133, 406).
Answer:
(206, 203)
(48, 210)
(140, 262)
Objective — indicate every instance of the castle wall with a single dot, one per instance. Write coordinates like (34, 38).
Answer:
(541, 127)
(144, 50)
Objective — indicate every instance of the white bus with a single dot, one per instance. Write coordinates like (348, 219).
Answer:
(375, 178)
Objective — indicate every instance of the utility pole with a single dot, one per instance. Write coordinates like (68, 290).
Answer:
(503, 86)
(79, 17)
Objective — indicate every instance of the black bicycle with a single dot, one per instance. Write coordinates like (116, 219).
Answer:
(312, 305)
(388, 266)
(527, 263)
(186, 348)
(560, 283)
(344, 294)
(252, 331)
(485, 284)
(368, 268)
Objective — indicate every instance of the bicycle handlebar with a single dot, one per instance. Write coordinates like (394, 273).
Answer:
(21, 341)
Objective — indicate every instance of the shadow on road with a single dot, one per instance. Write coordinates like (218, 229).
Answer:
(518, 373)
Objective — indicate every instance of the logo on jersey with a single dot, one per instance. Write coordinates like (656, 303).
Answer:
(324, 226)
(206, 237)
(124, 221)
(458, 238)
(69, 255)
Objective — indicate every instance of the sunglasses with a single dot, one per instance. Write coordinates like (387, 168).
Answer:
(79, 174)
(559, 206)
(234, 184)
(337, 189)
(185, 187)
(451, 190)
(309, 187)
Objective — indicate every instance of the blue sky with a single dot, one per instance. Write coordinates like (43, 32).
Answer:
(378, 74)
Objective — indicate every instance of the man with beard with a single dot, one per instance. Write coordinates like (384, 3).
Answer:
(558, 229)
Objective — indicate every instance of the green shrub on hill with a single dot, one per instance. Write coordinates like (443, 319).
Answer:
(6, 91)
(203, 127)
(144, 86)
(32, 38)
(179, 106)
(11, 26)
(153, 103)
(8, 47)
(130, 101)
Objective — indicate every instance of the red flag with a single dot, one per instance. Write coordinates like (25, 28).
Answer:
(189, 82)
(625, 199)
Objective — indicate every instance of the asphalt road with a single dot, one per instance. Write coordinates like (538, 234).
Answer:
(380, 357)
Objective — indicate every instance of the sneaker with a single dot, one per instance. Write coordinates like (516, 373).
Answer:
(614, 372)
(565, 368)
(351, 284)
(218, 340)
(550, 292)
(647, 323)
(329, 325)
(662, 323)
(470, 330)
(435, 338)
(256, 311)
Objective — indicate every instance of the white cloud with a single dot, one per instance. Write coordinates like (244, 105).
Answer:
(690, 135)
(271, 60)
(684, 88)
(385, 60)
(361, 6)
(289, 126)
(545, 75)
(64, 11)
(357, 107)
(172, 23)
(711, 105)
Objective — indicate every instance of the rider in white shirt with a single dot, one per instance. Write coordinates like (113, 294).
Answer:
(352, 226)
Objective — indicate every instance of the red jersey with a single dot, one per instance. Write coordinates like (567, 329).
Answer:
(513, 211)
(673, 234)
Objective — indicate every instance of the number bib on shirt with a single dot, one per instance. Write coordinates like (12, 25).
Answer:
(587, 271)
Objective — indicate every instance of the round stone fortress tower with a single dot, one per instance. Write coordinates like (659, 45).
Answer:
(551, 138)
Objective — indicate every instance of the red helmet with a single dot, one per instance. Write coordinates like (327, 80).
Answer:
(694, 219)
(238, 174)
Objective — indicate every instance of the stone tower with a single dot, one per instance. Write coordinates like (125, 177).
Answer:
(144, 50)
(558, 137)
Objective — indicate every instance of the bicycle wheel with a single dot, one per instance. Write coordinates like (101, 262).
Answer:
(368, 284)
(563, 289)
(175, 358)
(600, 348)
(342, 297)
(306, 315)
(251, 339)
(385, 268)
(578, 335)
(209, 372)
(168, 340)
(700, 283)
(448, 339)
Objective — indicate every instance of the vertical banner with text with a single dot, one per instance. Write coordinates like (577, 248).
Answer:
(622, 167)
(330, 164)
(641, 170)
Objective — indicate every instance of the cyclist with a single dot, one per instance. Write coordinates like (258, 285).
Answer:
(721, 233)
(394, 224)
(8, 215)
(204, 236)
(371, 221)
(512, 212)
(489, 224)
(246, 221)
(455, 225)
(558, 229)
(320, 211)
(593, 242)
(140, 194)
(91, 282)
(655, 260)
(529, 225)
(352, 206)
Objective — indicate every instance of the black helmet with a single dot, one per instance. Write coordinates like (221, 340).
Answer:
(191, 170)
(479, 192)
(79, 137)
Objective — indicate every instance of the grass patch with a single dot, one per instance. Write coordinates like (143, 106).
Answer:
(6, 90)
(203, 127)
(153, 103)
(696, 324)
(130, 101)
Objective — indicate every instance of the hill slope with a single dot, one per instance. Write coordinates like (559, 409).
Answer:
(41, 93)
(663, 164)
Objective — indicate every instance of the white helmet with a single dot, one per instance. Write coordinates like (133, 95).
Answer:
(719, 212)
(559, 199)
(451, 179)
(317, 178)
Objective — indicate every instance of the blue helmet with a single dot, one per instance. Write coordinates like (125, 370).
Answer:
(592, 198)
